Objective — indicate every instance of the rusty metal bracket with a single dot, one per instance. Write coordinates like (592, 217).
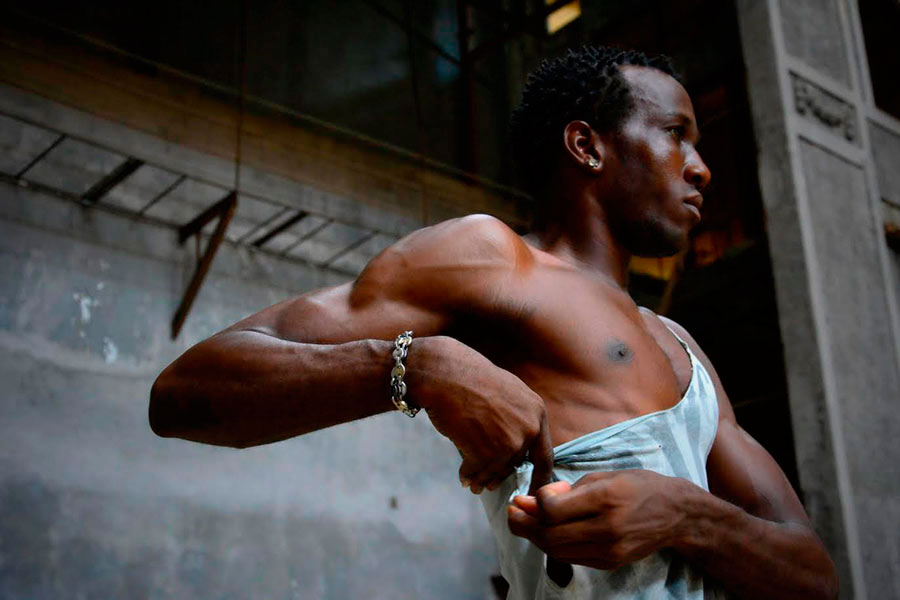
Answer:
(280, 228)
(224, 210)
(120, 174)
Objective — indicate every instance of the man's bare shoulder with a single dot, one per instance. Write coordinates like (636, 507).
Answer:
(673, 325)
(450, 257)
(681, 332)
(686, 337)
(470, 240)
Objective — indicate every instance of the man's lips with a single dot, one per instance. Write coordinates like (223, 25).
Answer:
(695, 203)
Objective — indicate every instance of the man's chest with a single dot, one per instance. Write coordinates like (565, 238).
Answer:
(594, 357)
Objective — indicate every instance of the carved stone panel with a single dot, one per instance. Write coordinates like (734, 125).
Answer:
(853, 294)
(813, 33)
(886, 155)
(823, 108)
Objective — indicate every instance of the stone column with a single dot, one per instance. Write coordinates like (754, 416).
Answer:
(811, 105)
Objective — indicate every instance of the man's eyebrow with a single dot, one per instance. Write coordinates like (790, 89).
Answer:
(679, 116)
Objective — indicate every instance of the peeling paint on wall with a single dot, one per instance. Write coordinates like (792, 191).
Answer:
(110, 351)
(85, 303)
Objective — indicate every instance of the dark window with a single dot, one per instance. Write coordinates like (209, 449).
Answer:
(880, 23)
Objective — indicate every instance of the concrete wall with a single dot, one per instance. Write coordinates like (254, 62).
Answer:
(95, 506)
(824, 168)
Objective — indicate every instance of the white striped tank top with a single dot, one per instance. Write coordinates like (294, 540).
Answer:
(673, 442)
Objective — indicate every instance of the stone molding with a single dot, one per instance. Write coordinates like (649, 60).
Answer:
(819, 106)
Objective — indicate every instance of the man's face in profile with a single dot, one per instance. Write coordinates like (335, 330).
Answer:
(657, 173)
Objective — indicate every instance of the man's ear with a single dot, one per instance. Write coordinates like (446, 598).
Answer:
(584, 148)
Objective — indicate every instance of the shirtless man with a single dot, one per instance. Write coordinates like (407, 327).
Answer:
(525, 344)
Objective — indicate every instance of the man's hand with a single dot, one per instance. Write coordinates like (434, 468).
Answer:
(604, 521)
(493, 418)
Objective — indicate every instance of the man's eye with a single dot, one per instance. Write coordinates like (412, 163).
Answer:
(677, 132)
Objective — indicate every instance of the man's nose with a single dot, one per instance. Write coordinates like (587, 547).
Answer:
(696, 172)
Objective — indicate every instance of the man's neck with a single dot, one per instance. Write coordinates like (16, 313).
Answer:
(586, 243)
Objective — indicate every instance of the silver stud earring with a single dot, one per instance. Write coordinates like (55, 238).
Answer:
(593, 162)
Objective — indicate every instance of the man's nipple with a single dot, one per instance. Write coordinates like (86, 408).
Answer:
(619, 352)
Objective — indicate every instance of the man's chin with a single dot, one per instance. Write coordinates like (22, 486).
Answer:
(663, 247)
(657, 240)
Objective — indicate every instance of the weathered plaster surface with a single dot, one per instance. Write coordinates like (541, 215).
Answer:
(96, 506)
(864, 363)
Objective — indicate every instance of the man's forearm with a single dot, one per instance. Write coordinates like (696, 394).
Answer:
(749, 556)
(244, 388)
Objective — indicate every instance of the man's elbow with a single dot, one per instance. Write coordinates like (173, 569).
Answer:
(824, 581)
(175, 413)
(160, 412)
(831, 585)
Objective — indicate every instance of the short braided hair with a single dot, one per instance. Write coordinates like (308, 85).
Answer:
(584, 84)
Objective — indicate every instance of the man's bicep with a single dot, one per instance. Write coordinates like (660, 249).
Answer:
(417, 284)
(742, 472)
(739, 469)
(329, 316)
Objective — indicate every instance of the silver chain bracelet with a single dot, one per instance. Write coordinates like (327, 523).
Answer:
(398, 386)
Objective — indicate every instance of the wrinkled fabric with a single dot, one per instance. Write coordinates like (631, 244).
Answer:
(673, 442)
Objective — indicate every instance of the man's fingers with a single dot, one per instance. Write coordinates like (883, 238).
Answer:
(521, 523)
(541, 455)
(553, 537)
(549, 538)
(526, 525)
(491, 475)
(466, 472)
(577, 552)
(528, 504)
(560, 505)
(553, 489)
(473, 471)
(496, 473)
